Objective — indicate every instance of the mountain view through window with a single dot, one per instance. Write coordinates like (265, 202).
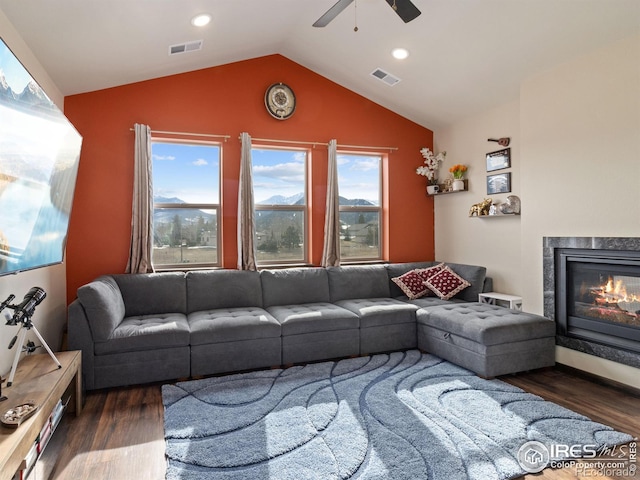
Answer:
(279, 185)
(186, 184)
(359, 186)
(186, 187)
(279, 181)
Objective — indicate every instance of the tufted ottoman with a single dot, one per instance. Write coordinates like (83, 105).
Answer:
(487, 339)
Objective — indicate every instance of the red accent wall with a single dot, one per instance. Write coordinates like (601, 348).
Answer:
(229, 99)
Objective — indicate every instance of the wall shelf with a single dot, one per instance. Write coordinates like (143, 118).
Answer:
(510, 208)
(442, 185)
(498, 215)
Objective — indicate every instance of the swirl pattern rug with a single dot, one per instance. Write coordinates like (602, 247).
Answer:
(405, 415)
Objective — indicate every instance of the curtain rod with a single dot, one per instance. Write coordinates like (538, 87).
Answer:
(297, 142)
(188, 134)
(293, 142)
(367, 147)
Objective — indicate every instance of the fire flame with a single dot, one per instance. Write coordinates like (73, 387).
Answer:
(614, 292)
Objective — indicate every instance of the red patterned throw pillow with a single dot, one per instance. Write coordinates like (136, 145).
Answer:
(412, 282)
(446, 283)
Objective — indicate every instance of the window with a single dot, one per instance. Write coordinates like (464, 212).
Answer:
(186, 203)
(359, 184)
(279, 186)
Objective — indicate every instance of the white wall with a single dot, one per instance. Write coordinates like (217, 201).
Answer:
(50, 316)
(494, 242)
(576, 139)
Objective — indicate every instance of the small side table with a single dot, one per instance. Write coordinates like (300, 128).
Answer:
(501, 299)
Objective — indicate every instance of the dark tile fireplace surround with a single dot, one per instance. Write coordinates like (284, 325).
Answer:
(574, 332)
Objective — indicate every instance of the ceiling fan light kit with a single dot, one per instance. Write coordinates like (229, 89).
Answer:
(405, 9)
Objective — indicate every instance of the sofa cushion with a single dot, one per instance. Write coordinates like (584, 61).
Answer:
(103, 305)
(358, 281)
(232, 324)
(147, 332)
(294, 286)
(213, 289)
(413, 284)
(313, 317)
(397, 269)
(152, 293)
(446, 283)
(375, 312)
(473, 274)
(486, 324)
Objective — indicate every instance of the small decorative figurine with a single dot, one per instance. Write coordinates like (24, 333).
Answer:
(511, 206)
(481, 209)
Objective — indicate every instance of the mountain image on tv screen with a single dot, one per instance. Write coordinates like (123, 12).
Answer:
(39, 155)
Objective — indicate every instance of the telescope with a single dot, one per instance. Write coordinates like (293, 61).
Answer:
(22, 314)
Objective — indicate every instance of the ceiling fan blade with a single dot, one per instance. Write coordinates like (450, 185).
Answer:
(332, 13)
(406, 10)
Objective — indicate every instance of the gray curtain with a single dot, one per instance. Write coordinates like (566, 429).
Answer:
(331, 249)
(246, 221)
(142, 207)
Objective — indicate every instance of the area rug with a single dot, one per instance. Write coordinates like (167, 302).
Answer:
(405, 415)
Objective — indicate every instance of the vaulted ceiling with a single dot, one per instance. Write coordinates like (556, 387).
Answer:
(466, 56)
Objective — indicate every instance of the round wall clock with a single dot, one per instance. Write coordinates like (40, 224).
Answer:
(280, 101)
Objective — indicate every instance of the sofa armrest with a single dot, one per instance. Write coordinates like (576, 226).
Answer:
(80, 338)
(103, 306)
(488, 285)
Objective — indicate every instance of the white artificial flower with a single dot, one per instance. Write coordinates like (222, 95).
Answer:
(431, 163)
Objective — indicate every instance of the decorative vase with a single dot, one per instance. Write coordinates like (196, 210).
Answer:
(457, 185)
(433, 189)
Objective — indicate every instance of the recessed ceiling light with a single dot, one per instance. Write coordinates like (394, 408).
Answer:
(201, 20)
(400, 53)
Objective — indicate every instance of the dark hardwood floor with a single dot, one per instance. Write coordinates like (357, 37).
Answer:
(119, 435)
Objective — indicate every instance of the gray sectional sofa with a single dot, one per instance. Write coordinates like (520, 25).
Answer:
(143, 328)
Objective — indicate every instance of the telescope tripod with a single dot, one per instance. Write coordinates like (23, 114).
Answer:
(20, 338)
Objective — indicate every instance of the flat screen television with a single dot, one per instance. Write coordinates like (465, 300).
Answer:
(39, 155)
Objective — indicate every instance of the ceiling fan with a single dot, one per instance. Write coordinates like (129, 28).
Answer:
(406, 10)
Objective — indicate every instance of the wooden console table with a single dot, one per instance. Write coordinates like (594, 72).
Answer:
(37, 379)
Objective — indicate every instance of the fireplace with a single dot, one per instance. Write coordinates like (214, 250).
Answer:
(592, 291)
(598, 296)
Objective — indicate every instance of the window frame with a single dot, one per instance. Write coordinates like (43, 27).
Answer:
(366, 208)
(304, 209)
(197, 206)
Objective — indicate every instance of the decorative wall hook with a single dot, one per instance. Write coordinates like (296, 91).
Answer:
(504, 141)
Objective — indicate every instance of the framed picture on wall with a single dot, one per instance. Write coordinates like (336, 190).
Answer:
(499, 183)
(499, 160)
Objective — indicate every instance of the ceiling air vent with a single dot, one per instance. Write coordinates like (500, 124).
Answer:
(185, 47)
(385, 77)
